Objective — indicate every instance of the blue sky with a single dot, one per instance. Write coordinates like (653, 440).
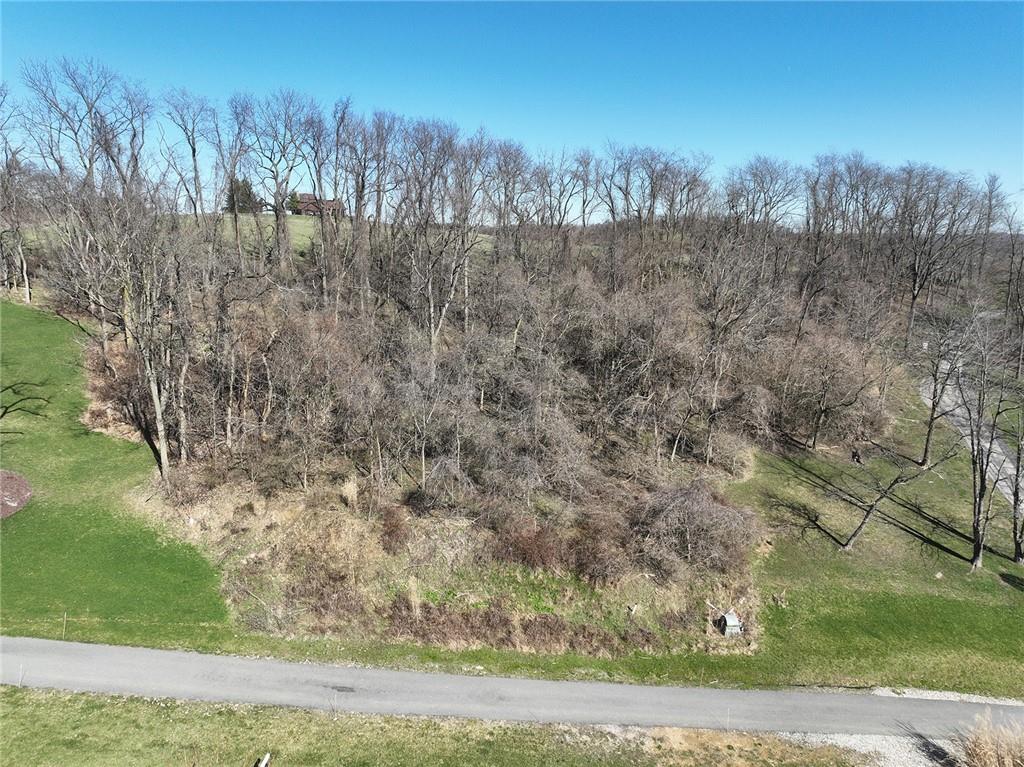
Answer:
(936, 82)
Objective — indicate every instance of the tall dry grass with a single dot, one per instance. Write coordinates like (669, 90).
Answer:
(991, 745)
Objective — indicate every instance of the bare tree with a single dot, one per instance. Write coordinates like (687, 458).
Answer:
(1012, 432)
(495, 326)
(323, 150)
(14, 198)
(274, 130)
(192, 116)
(733, 304)
(932, 216)
(1013, 307)
(981, 386)
(760, 197)
(942, 354)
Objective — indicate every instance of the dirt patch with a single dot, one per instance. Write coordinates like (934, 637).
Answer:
(738, 749)
(14, 493)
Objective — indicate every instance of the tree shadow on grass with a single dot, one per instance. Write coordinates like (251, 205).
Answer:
(832, 489)
(881, 449)
(1012, 580)
(798, 516)
(936, 523)
(26, 397)
(134, 417)
(946, 527)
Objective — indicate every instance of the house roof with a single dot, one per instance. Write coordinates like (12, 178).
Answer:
(306, 199)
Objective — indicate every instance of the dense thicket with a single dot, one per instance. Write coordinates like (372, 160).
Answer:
(470, 324)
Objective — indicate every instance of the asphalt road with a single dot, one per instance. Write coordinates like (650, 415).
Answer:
(193, 676)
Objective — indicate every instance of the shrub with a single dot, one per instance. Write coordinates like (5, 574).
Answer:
(185, 488)
(732, 454)
(989, 745)
(598, 554)
(494, 625)
(321, 583)
(686, 618)
(324, 567)
(421, 502)
(524, 540)
(394, 532)
(691, 525)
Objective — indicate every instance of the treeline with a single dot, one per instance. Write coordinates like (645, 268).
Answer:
(470, 324)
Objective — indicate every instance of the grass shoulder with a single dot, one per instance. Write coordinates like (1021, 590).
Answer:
(45, 728)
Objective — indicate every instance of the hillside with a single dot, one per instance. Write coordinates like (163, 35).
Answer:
(878, 615)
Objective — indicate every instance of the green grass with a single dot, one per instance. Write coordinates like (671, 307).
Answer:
(874, 616)
(73, 547)
(902, 608)
(302, 230)
(48, 728)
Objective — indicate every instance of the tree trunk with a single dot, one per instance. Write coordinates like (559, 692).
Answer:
(978, 533)
(282, 242)
(228, 428)
(977, 554)
(465, 297)
(158, 414)
(237, 228)
(1018, 537)
(1018, 507)
(182, 414)
(361, 246)
(911, 317)
(819, 421)
(26, 287)
(926, 452)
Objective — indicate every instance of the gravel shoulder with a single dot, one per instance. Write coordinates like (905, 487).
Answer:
(887, 750)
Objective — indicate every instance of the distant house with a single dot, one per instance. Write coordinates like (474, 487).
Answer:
(308, 205)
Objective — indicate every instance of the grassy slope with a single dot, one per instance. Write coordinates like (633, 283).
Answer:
(301, 229)
(48, 728)
(875, 616)
(73, 547)
(902, 608)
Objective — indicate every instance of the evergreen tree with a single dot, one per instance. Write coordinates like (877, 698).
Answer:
(240, 189)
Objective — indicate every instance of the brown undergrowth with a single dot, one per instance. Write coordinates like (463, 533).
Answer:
(106, 388)
(318, 564)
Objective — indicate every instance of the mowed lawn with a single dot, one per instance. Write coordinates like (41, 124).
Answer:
(50, 728)
(74, 548)
(303, 231)
(900, 610)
